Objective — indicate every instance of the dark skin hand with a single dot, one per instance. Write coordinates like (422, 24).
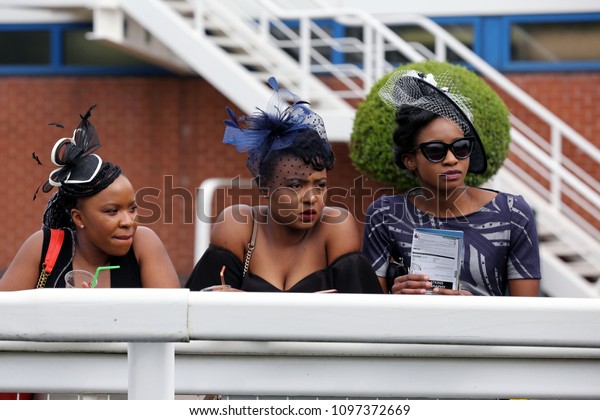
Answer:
(419, 284)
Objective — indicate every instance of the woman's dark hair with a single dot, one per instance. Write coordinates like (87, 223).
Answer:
(58, 210)
(411, 120)
(308, 146)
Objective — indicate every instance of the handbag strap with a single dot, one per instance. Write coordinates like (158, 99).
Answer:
(250, 245)
(57, 237)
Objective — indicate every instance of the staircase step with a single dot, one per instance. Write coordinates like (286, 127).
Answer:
(224, 41)
(545, 234)
(561, 249)
(245, 59)
(584, 269)
(181, 6)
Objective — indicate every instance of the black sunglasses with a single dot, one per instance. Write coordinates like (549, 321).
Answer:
(436, 151)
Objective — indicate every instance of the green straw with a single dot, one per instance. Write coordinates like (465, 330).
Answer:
(106, 267)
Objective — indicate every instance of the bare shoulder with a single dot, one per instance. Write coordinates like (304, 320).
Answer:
(341, 231)
(145, 238)
(233, 228)
(156, 267)
(338, 219)
(32, 246)
(35, 240)
(23, 271)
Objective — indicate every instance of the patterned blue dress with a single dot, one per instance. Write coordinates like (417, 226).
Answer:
(500, 240)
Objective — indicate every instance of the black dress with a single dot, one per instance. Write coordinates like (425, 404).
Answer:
(128, 276)
(350, 273)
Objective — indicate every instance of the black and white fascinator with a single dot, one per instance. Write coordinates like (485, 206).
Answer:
(77, 164)
(439, 95)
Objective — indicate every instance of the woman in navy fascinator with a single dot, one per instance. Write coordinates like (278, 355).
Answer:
(295, 243)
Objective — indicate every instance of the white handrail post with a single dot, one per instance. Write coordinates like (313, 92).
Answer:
(151, 371)
(555, 188)
(204, 208)
(368, 57)
(379, 60)
(305, 45)
(199, 16)
(440, 48)
(264, 23)
(203, 220)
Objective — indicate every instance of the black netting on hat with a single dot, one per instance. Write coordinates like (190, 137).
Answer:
(437, 95)
(284, 120)
(307, 149)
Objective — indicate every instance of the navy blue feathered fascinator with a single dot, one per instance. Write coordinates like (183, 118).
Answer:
(77, 164)
(275, 128)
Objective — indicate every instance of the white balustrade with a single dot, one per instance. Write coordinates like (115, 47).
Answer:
(155, 343)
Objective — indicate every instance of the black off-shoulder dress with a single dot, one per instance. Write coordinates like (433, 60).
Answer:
(350, 273)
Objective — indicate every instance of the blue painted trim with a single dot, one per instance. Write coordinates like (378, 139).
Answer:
(563, 66)
(508, 65)
(338, 31)
(57, 66)
(491, 41)
(56, 47)
(81, 71)
(553, 18)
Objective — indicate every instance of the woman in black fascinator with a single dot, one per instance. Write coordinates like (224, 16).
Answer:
(89, 222)
(295, 243)
(436, 141)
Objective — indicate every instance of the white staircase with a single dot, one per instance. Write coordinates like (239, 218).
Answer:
(230, 50)
(231, 44)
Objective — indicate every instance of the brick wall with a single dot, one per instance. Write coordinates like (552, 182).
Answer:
(166, 134)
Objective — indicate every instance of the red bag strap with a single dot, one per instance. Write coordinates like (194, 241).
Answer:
(56, 240)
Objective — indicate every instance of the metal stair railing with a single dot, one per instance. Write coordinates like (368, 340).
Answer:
(260, 53)
(376, 36)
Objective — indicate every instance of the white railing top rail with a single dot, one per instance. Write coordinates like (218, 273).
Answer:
(322, 340)
(178, 315)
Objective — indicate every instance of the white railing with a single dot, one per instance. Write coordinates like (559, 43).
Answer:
(298, 344)
(378, 39)
(205, 206)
